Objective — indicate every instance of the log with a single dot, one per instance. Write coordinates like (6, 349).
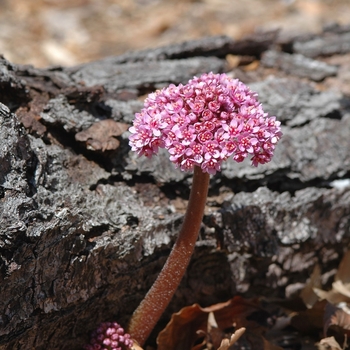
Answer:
(85, 225)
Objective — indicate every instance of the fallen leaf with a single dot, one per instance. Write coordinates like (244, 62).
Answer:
(308, 294)
(340, 291)
(101, 136)
(226, 343)
(182, 330)
(212, 321)
(255, 341)
(338, 294)
(342, 288)
(193, 324)
(136, 346)
(343, 273)
(309, 320)
(328, 344)
(337, 319)
(235, 311)
(201, 345)
(215, 334)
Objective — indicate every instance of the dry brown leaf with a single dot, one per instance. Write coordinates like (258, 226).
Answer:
(215, 334)
(338, 294)
(182, 330)
(328, 344)
(342, 288)
(235, 311)
(310, 320)
(226, 343)
(190, 325)
(101, 136)
(337, 319)
(343, 273)
(136, 346)
(308, 294)
(200, 346)
(211, 321)
(340, 291)
(258, 342)
(332, 312)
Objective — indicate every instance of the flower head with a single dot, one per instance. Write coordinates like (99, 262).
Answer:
(109, 336)
(204, 122)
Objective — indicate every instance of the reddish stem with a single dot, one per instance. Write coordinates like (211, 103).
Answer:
(157, 299)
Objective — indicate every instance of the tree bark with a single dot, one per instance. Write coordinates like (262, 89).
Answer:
(85, 225)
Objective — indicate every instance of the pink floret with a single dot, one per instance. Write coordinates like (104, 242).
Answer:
(109, 336)
(204, 122)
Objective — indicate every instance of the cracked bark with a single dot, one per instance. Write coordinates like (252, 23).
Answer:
(84, 233)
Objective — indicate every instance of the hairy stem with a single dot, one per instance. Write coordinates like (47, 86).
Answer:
(157, 299)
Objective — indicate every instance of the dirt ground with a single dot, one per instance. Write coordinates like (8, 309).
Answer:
(68, 32)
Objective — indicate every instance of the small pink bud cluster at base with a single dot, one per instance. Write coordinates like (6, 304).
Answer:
(205, 122)
(109, 336)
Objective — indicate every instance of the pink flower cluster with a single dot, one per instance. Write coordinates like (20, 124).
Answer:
(109, 336)
(204, 122)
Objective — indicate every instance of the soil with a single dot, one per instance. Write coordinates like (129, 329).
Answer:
(68, 32)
